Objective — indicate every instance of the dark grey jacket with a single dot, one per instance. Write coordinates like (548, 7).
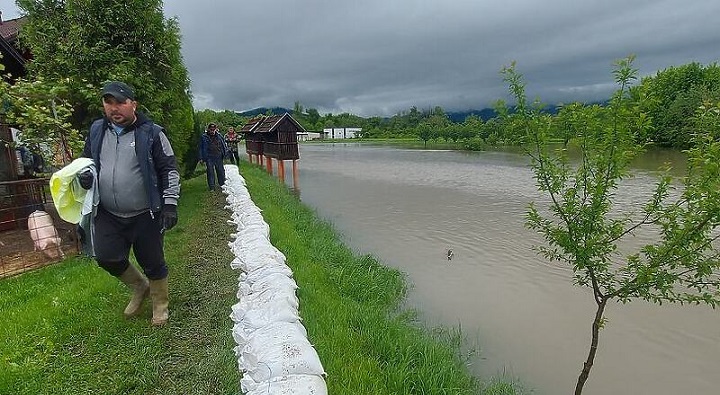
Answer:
(156, 166)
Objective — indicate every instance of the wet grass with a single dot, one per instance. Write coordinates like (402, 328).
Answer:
(62, 330)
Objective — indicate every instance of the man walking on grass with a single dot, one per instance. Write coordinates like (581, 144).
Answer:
(212, 152)
(139, 186)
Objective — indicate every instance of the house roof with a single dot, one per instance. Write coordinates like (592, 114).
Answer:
(266, 124)
(14, 57)
(9, 29)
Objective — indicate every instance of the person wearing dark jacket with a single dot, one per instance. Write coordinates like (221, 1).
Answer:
(212, 151)
(139, 187)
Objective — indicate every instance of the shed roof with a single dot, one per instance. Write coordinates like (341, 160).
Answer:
(267, 124)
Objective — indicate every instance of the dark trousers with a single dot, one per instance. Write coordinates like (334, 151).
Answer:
(215, 166)
(234, 157)
(114, 236)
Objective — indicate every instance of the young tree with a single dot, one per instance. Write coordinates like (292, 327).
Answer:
(43, 111)
(583, 227)
(425, 132)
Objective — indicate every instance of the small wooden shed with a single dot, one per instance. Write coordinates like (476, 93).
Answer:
(272, 137)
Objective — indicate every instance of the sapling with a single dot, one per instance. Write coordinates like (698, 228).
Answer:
(583, 226)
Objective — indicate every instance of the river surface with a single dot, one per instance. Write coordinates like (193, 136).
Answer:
(408, 207)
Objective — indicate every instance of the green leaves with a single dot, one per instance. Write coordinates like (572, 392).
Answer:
(43, 110)
(583, 226)
(90, 42)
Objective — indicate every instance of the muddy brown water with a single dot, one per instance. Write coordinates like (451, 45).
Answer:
(408, 207)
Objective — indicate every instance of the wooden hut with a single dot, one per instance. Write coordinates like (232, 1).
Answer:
(272, 137)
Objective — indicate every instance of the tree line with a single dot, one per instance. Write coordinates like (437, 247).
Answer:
(670, 99)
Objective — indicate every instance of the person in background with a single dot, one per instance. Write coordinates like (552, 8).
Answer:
(212, 151)
(139, 186)
(231, 139)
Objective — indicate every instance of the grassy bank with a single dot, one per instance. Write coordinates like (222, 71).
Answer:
(62, 331)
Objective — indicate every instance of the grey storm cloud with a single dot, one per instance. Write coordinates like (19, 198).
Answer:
(379, 57)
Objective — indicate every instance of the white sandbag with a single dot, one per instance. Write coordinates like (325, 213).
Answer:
(263, 300)
(250, 245)
(246, 229)
(296, 384)
(275, 313)
(262, 273)
(242, 334)
(257, 259)
(277, 350)
(267, 277)
(245, 241)
(256, 319)
(287, 287)
(270, 296)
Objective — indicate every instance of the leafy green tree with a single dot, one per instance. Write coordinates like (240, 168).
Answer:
(425, 132)
(414, 117)
(87, 43)
(472, 126)
(584, 226)
(298, 109)
(43, 111)
(313, 116)
(674, 94)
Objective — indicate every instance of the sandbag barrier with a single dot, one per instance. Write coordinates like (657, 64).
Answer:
(274, 354)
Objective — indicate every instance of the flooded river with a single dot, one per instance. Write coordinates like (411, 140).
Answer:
(408, 207)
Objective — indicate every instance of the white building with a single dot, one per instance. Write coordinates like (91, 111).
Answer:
(341, 133)
(305, 136)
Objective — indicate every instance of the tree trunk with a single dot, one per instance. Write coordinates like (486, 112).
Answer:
(593, 347)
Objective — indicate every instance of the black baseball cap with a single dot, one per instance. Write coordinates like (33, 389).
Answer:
(119, 90)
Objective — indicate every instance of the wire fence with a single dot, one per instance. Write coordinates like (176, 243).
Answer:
(32, 235)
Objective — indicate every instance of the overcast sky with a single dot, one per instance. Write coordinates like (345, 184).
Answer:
(379, 57)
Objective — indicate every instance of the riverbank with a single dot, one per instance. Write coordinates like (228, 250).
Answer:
(408, 142)
(63, 331)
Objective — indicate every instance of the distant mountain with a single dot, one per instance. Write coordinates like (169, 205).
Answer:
(459, 116)
(455, 116)
(263, 111)
(488, 113)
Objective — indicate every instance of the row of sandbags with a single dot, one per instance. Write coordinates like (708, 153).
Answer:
(274, 354)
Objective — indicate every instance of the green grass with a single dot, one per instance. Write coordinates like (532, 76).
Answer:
(62, 330)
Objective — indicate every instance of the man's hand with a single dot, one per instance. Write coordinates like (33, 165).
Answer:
(85, 179)
(169, 216)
